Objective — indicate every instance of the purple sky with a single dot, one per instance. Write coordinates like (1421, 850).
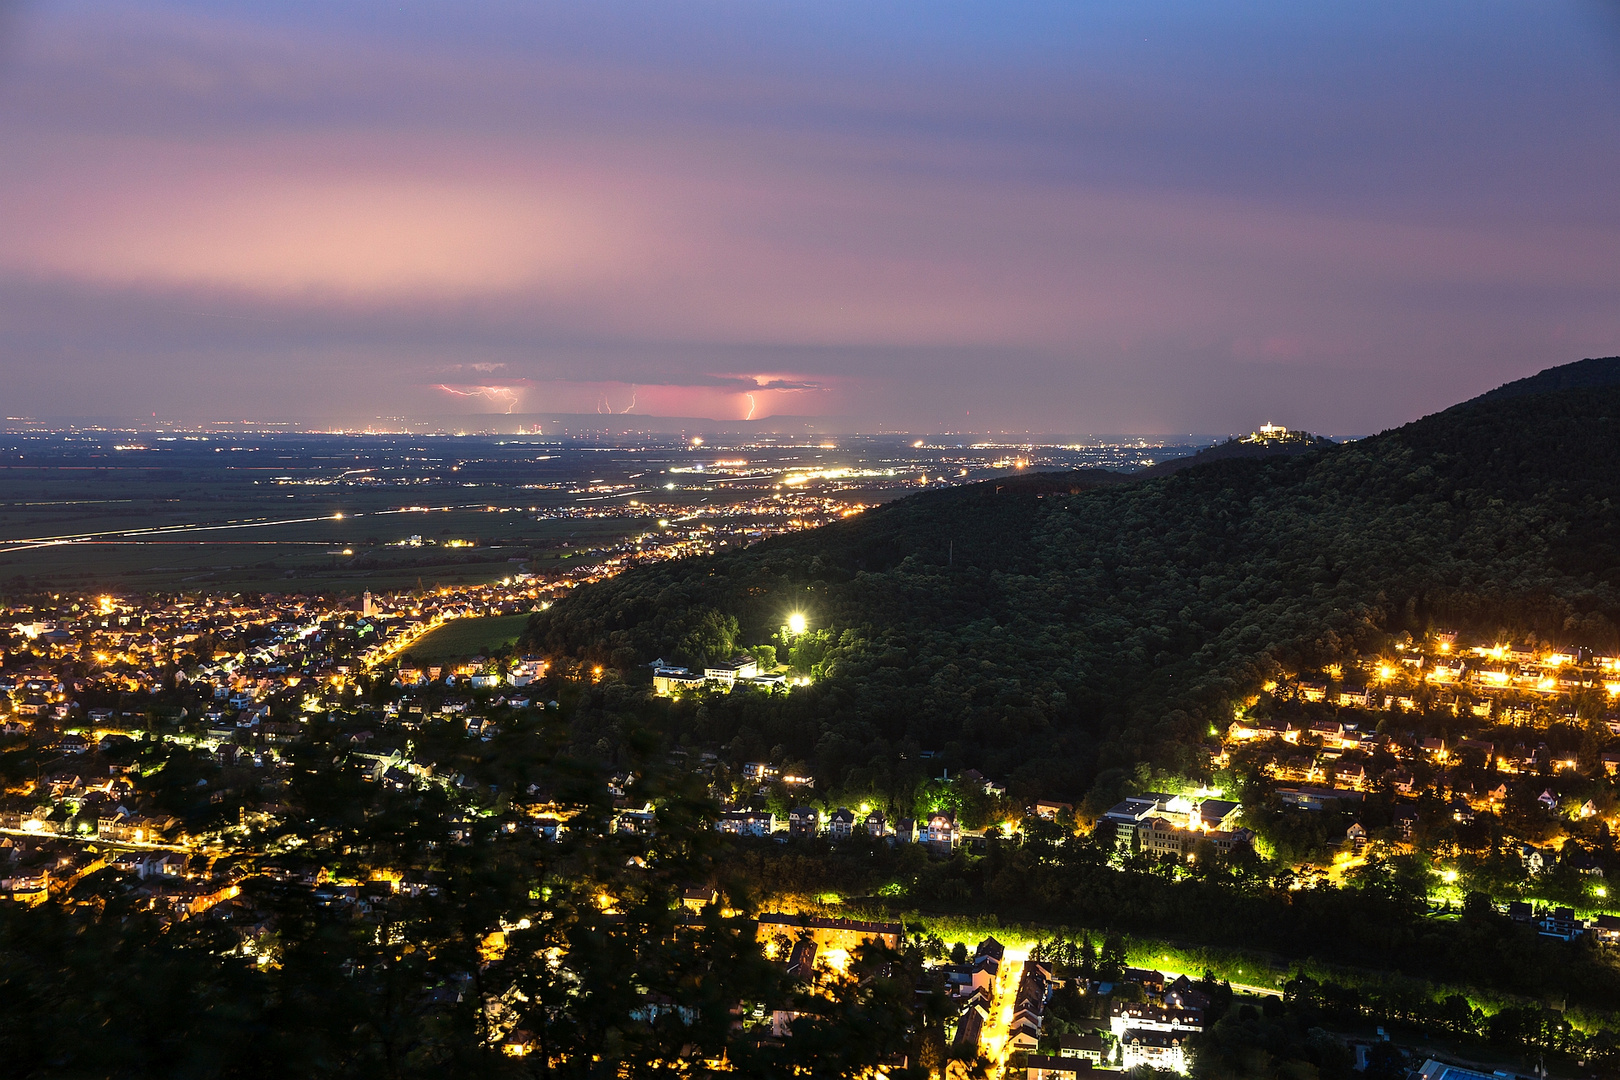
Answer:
(927, 217)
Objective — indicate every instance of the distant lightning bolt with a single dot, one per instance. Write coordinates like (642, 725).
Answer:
(507, 394)
(750, 398)
(632, 404)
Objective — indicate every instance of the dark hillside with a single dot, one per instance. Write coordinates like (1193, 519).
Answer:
(1591, 374)
(1293, 444)
(1044, 629)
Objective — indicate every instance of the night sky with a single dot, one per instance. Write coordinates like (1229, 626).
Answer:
(930, 217)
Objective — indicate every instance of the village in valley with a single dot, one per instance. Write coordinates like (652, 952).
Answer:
(150, 742)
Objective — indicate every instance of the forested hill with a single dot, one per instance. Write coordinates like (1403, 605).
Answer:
(1288, 445)
(1047, 628)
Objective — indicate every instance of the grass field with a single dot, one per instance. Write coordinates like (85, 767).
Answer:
(469, 637)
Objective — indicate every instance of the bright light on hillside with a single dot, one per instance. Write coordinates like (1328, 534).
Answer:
(796, 623)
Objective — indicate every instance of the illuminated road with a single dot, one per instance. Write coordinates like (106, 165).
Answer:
(26, 543)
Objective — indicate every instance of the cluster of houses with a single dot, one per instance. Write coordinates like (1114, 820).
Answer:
(1341, 752)
(1512, 687)
(939, 832)
(1440, 672)
(249, 647)
(1152, 1033)
(168, 882)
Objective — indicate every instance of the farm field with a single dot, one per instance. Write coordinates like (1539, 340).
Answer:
(460, 638)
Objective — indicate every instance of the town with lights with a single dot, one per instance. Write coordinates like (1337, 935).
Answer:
(156, 751)
(369, 753)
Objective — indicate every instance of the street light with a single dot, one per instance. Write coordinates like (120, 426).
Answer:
(796, 623)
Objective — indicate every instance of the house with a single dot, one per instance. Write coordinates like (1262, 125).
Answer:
(1182, 994)
(1461, 811)
(804, 821)
(1278, 729)
(1560, 923)
(970, 1029)
(1532, 858)
(641, 822)
(1046, 1067)
(699, 897)
(802, 960)
(1024, 1031)
(1148, 979)
(1086, 1047)
(991, 952)
(1406, 818)
(1356, 837)
(1581, 861)
(1606, 929)
(1049, 811)
(943, 834)
(1242, 730)
(841, 824)
(1520, 911)
(1353, 773)
(972, 977)
(1029, 1006)
(747, 822)
(1155, 1049)
(876, 826)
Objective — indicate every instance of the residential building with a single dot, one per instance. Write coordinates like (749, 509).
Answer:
(747, 822)
(1087, 1047)
(1046, 1067)
(1155, 1049)
(727, 672)
(943, 834)
(804, 821)
(840, 824)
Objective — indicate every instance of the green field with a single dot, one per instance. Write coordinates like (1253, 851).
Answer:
(461, 638)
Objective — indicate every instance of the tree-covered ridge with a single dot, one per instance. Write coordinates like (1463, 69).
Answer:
(1269, 442)
(1048, 628)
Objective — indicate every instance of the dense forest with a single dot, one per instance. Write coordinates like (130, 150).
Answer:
(1057, 629)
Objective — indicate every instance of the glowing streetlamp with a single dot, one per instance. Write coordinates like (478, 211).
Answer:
(796, 623)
